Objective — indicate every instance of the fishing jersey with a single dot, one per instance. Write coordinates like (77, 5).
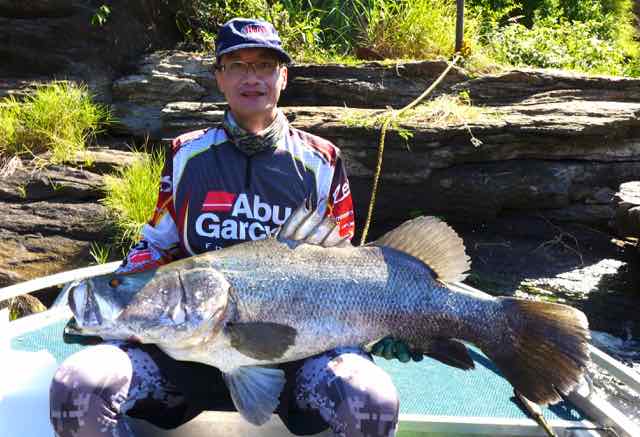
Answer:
(212, 195)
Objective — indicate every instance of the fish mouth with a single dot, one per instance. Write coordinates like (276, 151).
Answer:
(73, 334)
(84, 306)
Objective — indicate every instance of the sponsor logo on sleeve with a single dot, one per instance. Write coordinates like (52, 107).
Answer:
(140, 253)
(140, 257)
(341, 192)
(343, 209)
(141, 245)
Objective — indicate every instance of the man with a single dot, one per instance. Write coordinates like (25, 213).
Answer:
(235, 182)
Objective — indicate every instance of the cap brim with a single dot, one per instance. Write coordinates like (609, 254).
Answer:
(284, 56)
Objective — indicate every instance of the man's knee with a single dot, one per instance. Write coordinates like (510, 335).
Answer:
(87, 391)
(369, 403)
(356, 397)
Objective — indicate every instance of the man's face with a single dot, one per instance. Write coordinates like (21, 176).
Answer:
(252, 93)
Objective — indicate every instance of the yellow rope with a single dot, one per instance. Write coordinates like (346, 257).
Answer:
(383, 133)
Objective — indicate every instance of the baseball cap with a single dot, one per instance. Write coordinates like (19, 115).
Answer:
(244, 33)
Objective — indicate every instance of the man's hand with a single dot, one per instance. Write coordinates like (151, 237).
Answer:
(390, 348)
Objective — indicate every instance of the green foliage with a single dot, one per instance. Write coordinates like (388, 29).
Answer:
(592, 36)
(298, 27)
(297, 24)
(13, 311)
(557, 43)
(101, 16)
(331, 30)
(131, 196)
(411, 28)
(9, 125)
(198, 20)
(589, 36)
(527, 11)
(59, 118)
(492, 14)
(101, 253)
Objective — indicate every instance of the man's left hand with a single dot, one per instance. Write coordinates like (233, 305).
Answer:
(391, 348)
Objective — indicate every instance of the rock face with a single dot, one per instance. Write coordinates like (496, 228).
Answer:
(372, 85)
(552, 143)
(51, 216)
(549, 144)
(627, 212)
(161, 78)
(55, 38)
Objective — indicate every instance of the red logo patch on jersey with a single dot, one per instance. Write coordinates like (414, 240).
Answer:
(218, 201)
(140, 257)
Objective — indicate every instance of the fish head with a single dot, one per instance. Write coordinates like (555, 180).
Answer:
(161, 306)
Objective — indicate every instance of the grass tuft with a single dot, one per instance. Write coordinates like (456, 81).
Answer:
(59, 118)
(442, 111)
(10, 110)
(131, 196)
(416, 29)
(101, 253)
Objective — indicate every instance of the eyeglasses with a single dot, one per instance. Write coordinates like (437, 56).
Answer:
(239, 68)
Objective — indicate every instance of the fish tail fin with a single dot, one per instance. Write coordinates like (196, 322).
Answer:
(433, 242)
(545, 348)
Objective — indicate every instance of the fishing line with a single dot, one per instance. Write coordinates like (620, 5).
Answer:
(390, 117)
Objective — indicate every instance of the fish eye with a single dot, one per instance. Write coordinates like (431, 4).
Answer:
(114, 282)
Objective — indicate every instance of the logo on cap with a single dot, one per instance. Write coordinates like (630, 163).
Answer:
(256, 31)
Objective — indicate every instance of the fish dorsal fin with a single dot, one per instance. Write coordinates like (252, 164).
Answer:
(433, 242)
(312, 226)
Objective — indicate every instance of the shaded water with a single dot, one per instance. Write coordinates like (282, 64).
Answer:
(584, 267)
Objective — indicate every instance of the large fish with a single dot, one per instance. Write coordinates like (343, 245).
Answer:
(259, 303)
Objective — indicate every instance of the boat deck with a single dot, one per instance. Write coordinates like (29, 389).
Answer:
(426, 388)
(435, 399)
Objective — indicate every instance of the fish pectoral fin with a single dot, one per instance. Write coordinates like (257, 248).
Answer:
(261, 340)
(450, 352)
(255, 391)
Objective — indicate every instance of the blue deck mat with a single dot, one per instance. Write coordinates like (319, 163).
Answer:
(427, 388)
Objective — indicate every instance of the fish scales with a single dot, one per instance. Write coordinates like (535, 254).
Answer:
(344, 296)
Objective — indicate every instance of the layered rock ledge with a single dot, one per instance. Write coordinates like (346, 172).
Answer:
(530, 180)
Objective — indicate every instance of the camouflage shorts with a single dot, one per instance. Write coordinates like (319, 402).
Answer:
(353, 395)
(93, 389)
